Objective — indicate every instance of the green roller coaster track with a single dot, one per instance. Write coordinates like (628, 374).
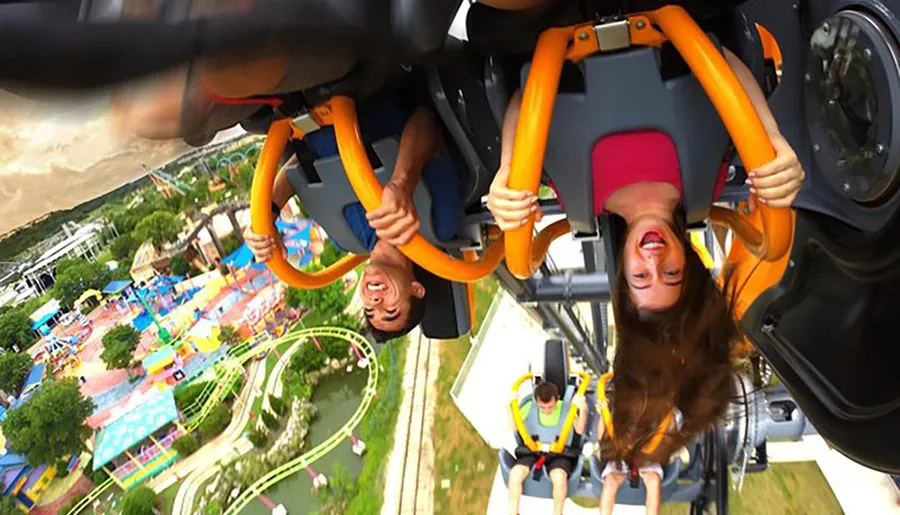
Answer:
(227, 372)
(307, 459)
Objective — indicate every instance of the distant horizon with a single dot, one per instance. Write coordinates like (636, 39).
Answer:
(86, 165)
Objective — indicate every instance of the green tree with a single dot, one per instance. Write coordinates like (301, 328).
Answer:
(186, 445)
(124, 247)
(64, 264)
(139, 501)
(229, 336)
(179, 266)
(213, 508)
(278, 405)
(258, 437)
(231, 243)
(62, 467)
(78, 277)
(307, 359)
(51, 424)
(187, 395)
(160, 227)
(346, 321)
(14, 367)
(119, 345)
(330, 300)
(15, 329)
(330, 254)
(216, 422)
(8, 506)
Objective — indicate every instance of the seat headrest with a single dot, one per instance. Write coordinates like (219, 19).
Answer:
(556, 364)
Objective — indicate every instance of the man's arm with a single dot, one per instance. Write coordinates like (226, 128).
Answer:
(282, 191)
(581, 423)
(396, 220)
(419, 144)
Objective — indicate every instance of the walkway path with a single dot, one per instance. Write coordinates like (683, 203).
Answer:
(223, 443)
(239, 445)
(409, 487)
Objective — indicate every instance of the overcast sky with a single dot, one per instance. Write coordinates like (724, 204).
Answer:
(56, 156)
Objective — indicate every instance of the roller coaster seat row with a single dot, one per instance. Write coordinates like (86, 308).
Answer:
(816, 281)
(756, 416)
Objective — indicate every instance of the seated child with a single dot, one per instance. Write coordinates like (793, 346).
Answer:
(546, 396)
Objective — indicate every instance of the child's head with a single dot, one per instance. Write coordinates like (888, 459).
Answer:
(546, 395)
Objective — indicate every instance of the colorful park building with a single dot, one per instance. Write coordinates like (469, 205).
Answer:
(22, 482)
(165, 367)
(204, 336)
(138, 445)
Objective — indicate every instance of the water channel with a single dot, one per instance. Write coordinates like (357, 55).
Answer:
(337, 398)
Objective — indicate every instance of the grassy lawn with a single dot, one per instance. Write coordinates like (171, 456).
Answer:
(166, 499)
(461, 456)
(784, 489)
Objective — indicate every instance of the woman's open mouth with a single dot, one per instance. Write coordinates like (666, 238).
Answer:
(375, 286)
(652, 240)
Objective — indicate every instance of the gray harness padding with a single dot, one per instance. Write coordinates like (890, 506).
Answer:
(549, 434)
(325, 201)
(624, 92)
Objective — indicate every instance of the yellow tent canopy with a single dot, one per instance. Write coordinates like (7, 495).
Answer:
(87, 295)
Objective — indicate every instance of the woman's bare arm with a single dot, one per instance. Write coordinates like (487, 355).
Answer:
(757, 97)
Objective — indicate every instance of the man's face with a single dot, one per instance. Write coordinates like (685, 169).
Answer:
(386, 290)
(548, 406)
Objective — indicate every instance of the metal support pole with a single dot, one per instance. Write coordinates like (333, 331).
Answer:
(594, 263)
(560, 317)
(569, 287)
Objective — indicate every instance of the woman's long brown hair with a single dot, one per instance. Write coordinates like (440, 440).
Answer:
(678, 358)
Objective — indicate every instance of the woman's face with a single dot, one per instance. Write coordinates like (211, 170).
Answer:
(653, 264)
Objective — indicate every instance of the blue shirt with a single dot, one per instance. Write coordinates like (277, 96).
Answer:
(384, 118)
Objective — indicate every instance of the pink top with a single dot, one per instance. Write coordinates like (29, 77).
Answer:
(627, 158)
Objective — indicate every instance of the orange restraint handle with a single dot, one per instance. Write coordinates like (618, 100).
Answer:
(769, 242)
(368, 190)
(261, 218)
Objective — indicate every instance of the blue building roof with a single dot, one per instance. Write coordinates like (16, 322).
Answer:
(115, 287)
(35, 377)
(44, 319)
